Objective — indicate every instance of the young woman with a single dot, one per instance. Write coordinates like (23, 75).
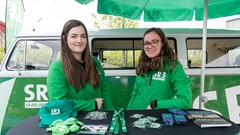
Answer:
(161, 81)
(77, 75)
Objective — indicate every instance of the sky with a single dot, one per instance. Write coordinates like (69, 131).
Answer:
(50, 15)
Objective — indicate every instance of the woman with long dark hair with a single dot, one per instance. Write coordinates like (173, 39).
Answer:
(77, 75)
(161, 81)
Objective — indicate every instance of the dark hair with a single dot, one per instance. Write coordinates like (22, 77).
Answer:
(166, 55)
(78, 74)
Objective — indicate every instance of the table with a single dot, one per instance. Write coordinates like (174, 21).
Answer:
(30, 126)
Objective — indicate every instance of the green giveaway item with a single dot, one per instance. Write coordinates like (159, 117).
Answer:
(118, 121)
(60, 127)
(60, 109)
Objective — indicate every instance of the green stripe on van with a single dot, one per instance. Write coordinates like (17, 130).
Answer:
(4, 79)
(5, 92)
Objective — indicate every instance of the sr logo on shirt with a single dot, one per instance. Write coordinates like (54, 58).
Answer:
(159, 76)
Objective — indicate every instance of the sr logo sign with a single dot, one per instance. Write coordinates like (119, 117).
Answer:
(36, 95)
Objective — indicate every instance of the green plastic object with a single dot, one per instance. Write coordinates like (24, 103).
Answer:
(60, 127)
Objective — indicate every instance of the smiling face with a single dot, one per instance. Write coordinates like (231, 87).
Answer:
(152, 44)
(77, 41)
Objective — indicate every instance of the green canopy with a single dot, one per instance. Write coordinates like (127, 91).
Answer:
(167, 10)
(85, 2)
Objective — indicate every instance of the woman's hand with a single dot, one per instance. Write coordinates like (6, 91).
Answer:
(99, 102)
(152, 105)
(149, 107)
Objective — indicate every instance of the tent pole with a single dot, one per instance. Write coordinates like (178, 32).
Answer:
(204, 42)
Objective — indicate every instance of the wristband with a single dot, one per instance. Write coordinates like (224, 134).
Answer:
(167, 119)
(96, 107)
(153, 104)
(177, 111)
(179, 119)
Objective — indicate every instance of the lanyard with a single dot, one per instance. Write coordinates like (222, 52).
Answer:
(117, 122)
(114, 123)
(123, 123)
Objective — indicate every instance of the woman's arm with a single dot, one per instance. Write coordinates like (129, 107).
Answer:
(58, 87)
(105, 88)
(181, 84)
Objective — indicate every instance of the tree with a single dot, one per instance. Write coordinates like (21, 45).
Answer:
(116, 58)
(1, 54)
(2, 45)
(108, 21)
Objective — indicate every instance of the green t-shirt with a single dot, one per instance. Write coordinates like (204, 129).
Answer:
(60, 88)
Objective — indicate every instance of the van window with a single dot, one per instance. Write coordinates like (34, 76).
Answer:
(33, 55)
(17, 58)
(220, 52)
(120, 53)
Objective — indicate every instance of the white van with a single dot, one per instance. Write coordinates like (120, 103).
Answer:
(24, 69)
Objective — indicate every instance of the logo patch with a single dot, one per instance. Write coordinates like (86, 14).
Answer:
(159, 76)
(55, 111)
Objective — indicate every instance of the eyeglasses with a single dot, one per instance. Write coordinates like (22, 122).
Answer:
(153, 43)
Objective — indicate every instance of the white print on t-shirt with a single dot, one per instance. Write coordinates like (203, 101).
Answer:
(159, 76)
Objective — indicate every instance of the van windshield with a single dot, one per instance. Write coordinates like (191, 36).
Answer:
(33, 55)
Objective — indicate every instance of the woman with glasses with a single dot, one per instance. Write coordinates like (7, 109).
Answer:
(161, 81)
(77, 75)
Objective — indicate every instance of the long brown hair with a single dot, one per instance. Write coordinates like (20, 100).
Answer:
(159, 62)
(78, 74)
